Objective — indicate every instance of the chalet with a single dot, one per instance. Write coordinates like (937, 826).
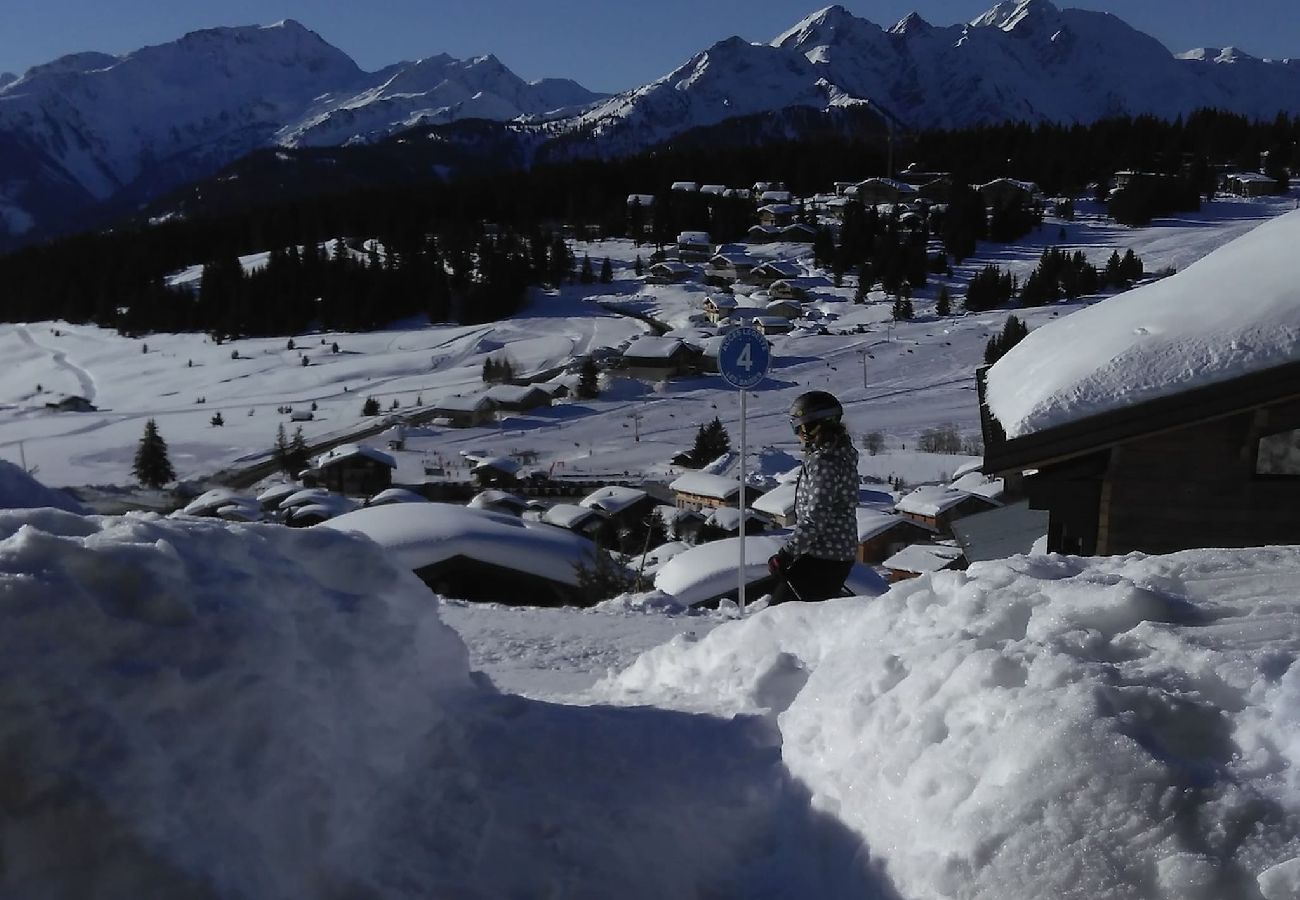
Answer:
(937, 191)
(694, 245)
(623, 506)
(687, 187)
(1247, 184)
(71, 404)
(396, 495)
(301, 415)
(655, 358)
(716, 190)
(773, 324)
(938, 507)
(762, 187)
(670, 271)
(922, 559)
(799, 288)
(778, 504)
(719, 306)
(680, 523)
(726, 521)
(1001, 193)
(873, 191)
(772, 271)
(496, 500)
(799, 233)
(271, 498)
(731, 266)
(517, 398)
(778, 214)
(704, 491)
(881, 534)
(1170, 449)
(590, 523)
(738, 194)
(763, 234)
(775, 196)
(463, 412)
(354, 470)
(786, 309)
(496, 471)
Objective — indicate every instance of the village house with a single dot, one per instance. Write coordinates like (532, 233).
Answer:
(681, 524)
(590, 523)
(773, 270)
(1247, 184)
(1210, 466)
(738, 194)
(798, 233)
(496, 472)
(702, 491)
(916, 560)
(762, 187)
(625, 507)
(881, 534)
(777, 214)
(655, 358)
(354, 470)
(763, 234)
(719, 306)
(776, 196)
(462, 412)
(731, 266)
(786, 309)
(715, 190)
(687, 187)
(724, 521)
(670, 271)
(496, 500)
(799, 288)
(873, 191)
(694, 246)
(937, 507)
(1001, 193)
(773, 324)
(517, 398)
(71, 404)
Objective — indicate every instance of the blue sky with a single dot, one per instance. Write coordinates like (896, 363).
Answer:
(606, 45)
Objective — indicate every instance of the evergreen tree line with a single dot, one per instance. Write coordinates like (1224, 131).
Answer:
(1013, 332)
(438, 257)
(711, 441)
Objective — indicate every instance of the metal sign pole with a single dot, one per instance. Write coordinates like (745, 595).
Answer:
(743, 419)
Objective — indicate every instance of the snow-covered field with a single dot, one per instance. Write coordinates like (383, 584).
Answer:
(205, 709)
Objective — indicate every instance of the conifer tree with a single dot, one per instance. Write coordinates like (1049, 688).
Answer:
(606, 272)
(588, 384)
(152, 468)
(298, 456)
(587, 276)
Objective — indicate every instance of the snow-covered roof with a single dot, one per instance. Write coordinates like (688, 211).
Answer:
(272, 495)
(613, 499)
(303, 496)
(728, 518)
(1233, 312)
(422, 534)
(978, 483)
(673, 267)
(931, 500)
(713, 569)
(503, 464)
(923, 558)
(694, 237)
(650, 346)
(471, 403)
(209, 502)
(352, 451)
(396, 495)
(568, 515)
(641, 199)
(779, 209)
(872, 522)
(512, 393)
(705, 485)
(492, 497)
(779, 501)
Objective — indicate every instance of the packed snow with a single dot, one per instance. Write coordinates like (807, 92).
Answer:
(197, 708)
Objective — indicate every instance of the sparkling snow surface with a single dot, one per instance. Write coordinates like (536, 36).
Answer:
(199, 709)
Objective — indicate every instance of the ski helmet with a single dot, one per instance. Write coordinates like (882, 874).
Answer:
(814, 406)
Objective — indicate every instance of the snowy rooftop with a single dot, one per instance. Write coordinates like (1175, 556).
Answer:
(923, 558)
(613, 499)
(872, 522)
(705, 484)
(779, 501)
(421, 534)
(652, 347)
(932, 500)
(568, 515)
(352, 451)
(1233, 312)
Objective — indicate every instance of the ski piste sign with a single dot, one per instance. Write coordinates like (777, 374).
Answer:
(744, 357)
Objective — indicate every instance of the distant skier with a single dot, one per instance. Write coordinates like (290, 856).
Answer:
(819, 554)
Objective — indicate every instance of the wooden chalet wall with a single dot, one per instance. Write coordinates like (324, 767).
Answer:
(1197, 487)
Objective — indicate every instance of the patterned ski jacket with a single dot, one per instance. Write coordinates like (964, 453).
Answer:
(825, 500)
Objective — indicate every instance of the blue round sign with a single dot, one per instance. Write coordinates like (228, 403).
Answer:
(744, 357)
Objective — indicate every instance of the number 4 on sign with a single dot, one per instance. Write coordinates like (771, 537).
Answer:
(746, 360)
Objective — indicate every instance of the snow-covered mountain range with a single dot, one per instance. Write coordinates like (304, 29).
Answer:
(92, 130)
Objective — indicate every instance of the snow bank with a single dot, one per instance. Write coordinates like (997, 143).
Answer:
(1035, 727)
(18, 490)
(192, 708)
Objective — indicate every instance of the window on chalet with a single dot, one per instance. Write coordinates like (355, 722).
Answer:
(1279, 454)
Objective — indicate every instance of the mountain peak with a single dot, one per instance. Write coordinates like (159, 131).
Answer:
(912, 23)
(823, 26)
(1007, 14)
